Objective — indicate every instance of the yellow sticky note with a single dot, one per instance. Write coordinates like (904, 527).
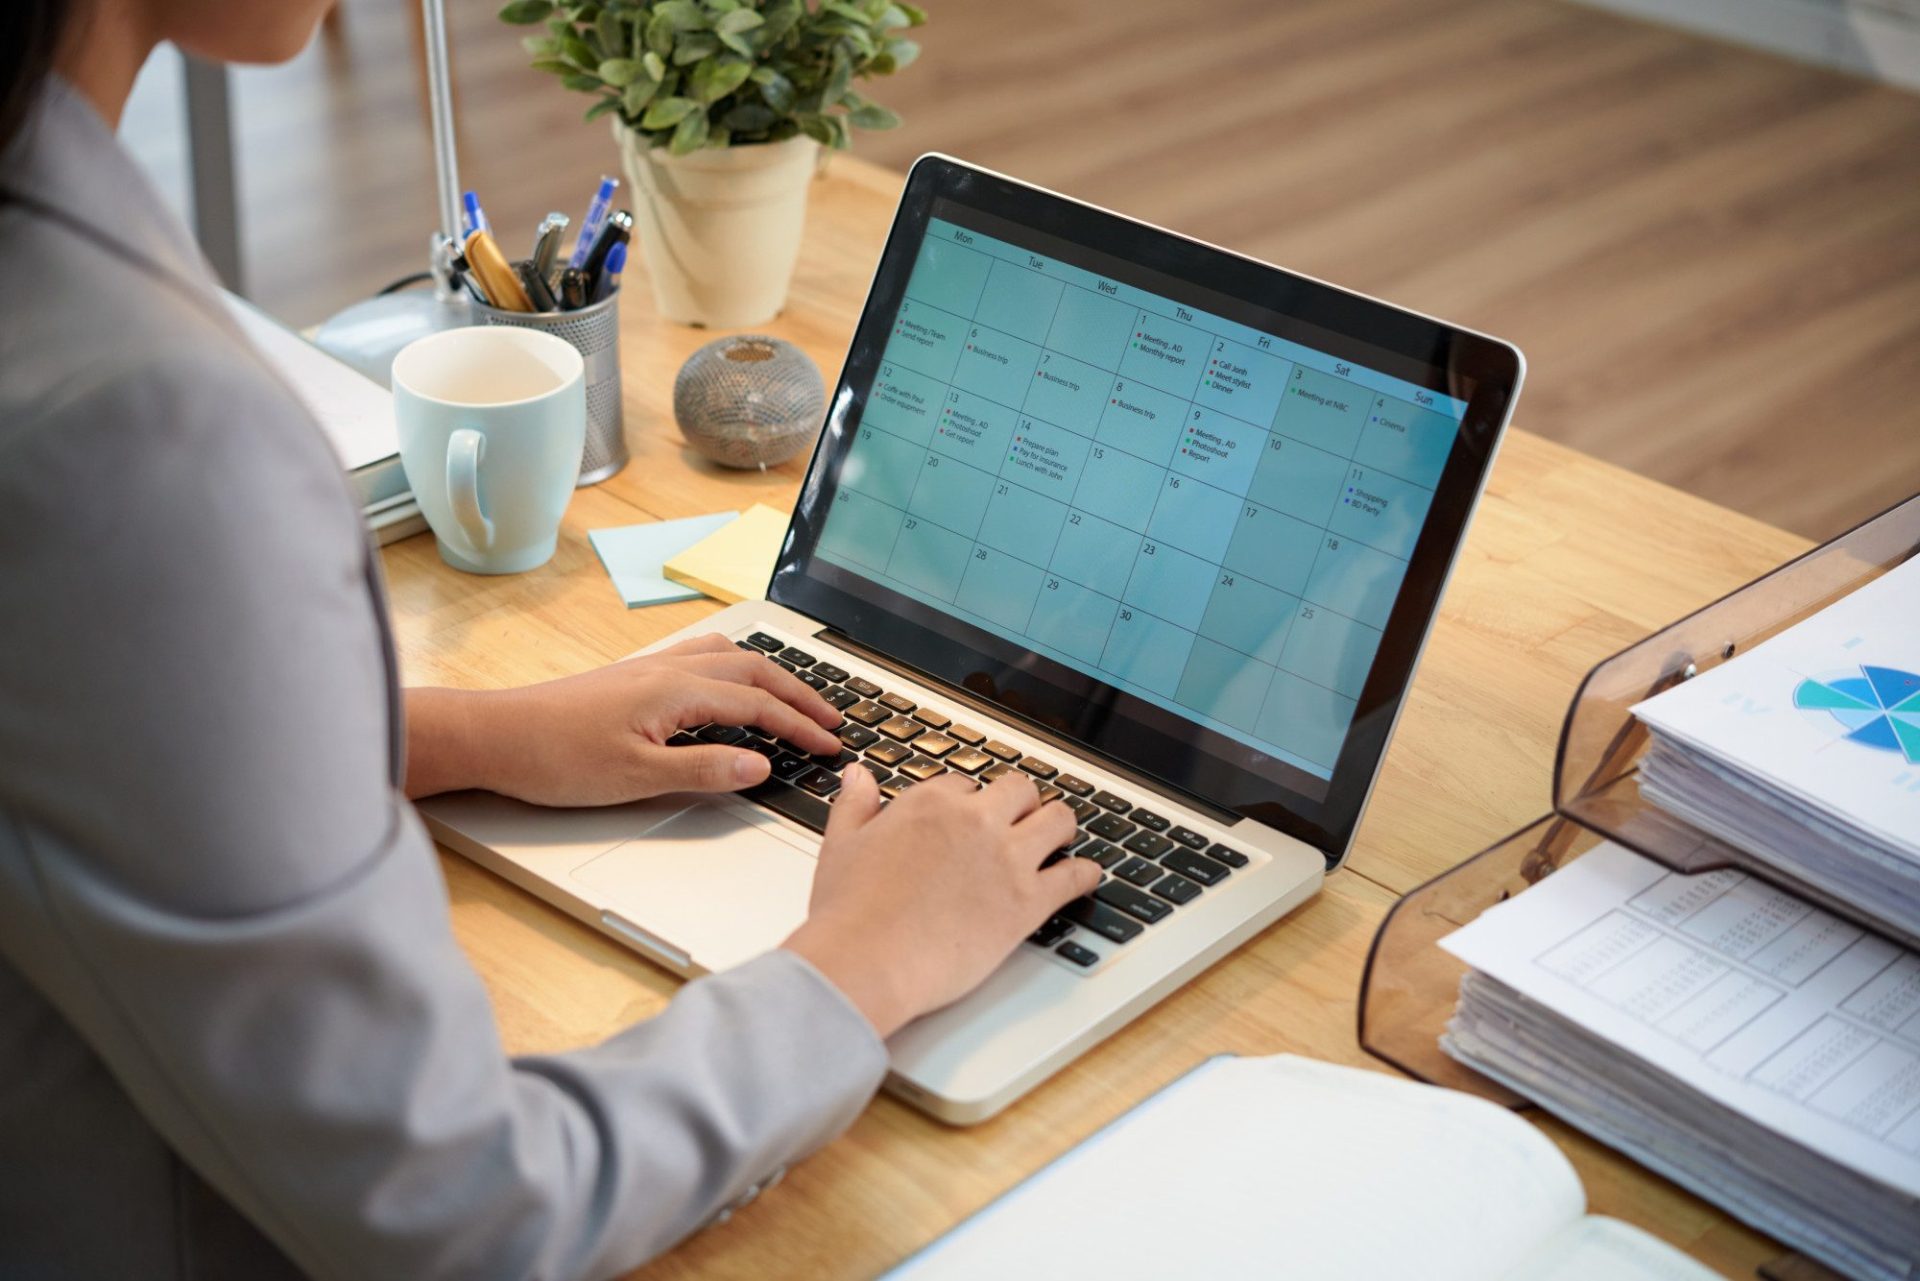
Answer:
(735, 561)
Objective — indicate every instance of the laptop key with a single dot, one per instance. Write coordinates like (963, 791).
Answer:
(888, 752)
(897, 702)
(771, 644)
(798, 657)
(811, 681)
(765, 749)
(1149, 844)
(821, 782)
(1195, 867)
(901, 728)
(1082, 810)
(1143, 907)
(1048, 792)
(1111, 827)
(868, 713)
(832, 673)
(1176, 889)
(839, 699)
(966, 734)
(857, 736)
(1189, 838)
(682, 739)
(781, 662)
(725, 735)
(1149, 820)
(1078, 955)
(920, 769)
(997, 770)
(1051, 931)
(750, 649)
(1100, 852)
(932, 719)
(880, 772)
(803, 808)
(1073, 786)
(1138, 871)
(1105, 921)
(1039, 768)
(1107, 800)
(994, 747)
(789, 767)
(1231, 857)
(892, 788)
(861, 686)
(970, 760)
(934, 743)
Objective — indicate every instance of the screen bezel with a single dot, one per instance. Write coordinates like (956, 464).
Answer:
(1083, 711)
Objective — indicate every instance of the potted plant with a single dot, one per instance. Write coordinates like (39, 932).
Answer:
(720, 108)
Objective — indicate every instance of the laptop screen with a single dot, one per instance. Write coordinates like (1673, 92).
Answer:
(1178, 508)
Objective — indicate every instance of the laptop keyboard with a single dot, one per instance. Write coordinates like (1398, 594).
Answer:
(1150, 866)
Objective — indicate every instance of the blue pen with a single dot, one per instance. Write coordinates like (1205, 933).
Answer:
(590, 225)
(610, 273)
(476, 217)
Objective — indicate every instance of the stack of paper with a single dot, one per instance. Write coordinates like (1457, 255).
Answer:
(1756, 1050)
(1805, 752)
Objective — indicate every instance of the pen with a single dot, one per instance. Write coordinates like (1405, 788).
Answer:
(476, 217)
(573, 289)
(590, 225)
(496, 274)
(546, 243)
(536, 285)
(617, 231)
(609, 282)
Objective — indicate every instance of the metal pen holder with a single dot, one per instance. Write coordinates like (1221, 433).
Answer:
(593, 331)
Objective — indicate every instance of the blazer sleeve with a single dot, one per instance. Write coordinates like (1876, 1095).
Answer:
(215, 881)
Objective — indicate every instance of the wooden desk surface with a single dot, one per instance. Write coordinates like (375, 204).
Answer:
(1568, 560)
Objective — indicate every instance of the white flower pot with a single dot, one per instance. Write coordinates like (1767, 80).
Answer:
(720, 227)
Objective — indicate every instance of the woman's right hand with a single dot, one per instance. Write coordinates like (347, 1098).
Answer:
(916, 903)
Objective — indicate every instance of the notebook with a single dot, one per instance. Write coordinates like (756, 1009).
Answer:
(1285, 1166)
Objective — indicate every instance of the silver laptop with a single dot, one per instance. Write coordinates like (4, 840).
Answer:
(1159, 526)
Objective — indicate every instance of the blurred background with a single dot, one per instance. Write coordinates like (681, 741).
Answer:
(1699, 218)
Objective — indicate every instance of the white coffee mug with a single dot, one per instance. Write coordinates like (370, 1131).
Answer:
(492, 422)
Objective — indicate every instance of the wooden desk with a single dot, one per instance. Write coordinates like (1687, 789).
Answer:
(1569, 559)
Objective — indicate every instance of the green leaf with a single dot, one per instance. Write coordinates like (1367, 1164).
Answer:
(845, 10)
(779, 21)
(685, 15)
(719, 136)
(601, 108)
(895, 18)
(838, 80)
(580, 81)
(871, 115)
(775, 89)
(660, 35)
(638, 95)
(580, 53)
(915, 14)
(738, 21)
(688, 49)
(524, 12)
(619, 72)
(664, 113)
(553, 66)
(902, 52)
(690, 134)
(541, 46)
(656, 66)
(712, 81)
(612, 32)
(816, 128)
(750, 117)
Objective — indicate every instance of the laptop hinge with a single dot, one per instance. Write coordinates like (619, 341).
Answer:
(1199, 804)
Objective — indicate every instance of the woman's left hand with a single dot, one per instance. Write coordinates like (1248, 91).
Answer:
(601, 737)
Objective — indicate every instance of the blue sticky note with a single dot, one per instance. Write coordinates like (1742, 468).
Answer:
(633, 555)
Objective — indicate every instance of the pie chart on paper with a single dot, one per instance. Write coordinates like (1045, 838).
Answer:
(1878, 708)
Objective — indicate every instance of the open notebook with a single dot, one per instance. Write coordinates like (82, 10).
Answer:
(1285, 1166)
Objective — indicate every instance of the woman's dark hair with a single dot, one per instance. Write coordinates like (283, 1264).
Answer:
(30, 36)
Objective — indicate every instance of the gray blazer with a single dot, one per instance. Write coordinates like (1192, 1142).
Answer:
(236, 1036)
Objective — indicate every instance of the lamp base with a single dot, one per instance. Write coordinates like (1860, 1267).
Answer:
(369, 334)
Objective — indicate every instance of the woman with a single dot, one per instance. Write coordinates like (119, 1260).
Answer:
(236, 1038)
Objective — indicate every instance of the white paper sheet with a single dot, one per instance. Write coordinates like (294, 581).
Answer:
(355, 412)
(1828, 710)
(1802, 1021)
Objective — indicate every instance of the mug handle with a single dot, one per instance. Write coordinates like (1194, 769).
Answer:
(465, 448)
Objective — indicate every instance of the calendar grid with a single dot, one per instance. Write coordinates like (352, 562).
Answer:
(1135, 515)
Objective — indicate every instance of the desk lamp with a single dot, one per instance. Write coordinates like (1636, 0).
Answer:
(367, 335)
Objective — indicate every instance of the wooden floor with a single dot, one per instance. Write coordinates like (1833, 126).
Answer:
(1711, 256)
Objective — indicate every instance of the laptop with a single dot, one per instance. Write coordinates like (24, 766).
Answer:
(1161, 527)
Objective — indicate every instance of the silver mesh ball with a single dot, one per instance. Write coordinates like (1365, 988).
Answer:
(749, 400)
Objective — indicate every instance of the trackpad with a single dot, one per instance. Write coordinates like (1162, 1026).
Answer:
(710, 881)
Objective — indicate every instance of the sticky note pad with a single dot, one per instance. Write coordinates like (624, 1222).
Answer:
(634, 554)
(735, 562)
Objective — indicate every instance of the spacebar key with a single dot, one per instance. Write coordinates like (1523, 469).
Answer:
(1101, 919)
(803, 808)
